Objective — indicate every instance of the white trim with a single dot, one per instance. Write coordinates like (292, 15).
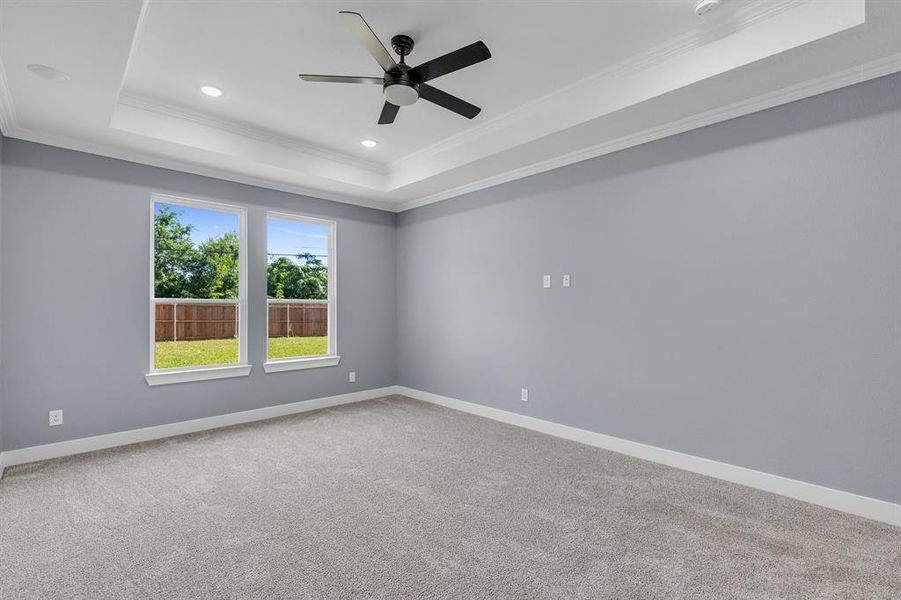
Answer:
(863, 506)
(134, 436)
(634, 83)
(807, 89)
(136, 38)
(296, 364)
(165, 377)
(195, 300)
(871, 508)
(182, 165)
(202, 371)
(254, 133)
(209, 204)
(272, 366)
(7, 110)
(755, 12)
(379, 201)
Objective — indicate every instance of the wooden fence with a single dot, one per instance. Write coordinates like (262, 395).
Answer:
(197, 319)
(300, 318)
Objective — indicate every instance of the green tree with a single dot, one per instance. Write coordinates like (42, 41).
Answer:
(174, 254)
(313, 281)
(306, 281)
(214, 270)
(210, 270)
(280, 276)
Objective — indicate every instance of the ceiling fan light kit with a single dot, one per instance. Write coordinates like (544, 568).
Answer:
(403, 85)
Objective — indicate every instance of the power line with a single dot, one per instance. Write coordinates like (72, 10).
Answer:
(297, 255)
(292, 255)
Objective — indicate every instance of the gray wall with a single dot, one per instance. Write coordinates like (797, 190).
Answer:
(75, 337)
(1, 290)
(736, 292)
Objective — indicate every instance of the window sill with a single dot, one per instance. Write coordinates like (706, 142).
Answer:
(198, 374)
(294, 364)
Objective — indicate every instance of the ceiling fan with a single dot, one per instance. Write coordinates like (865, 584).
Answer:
(403, 85)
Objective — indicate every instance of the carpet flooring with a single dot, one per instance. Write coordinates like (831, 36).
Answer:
(394, 498)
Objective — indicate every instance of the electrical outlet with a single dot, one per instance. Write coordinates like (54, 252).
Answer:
(566, 281)
(546, 282)
(352, 377)
(524, 395)
(56, 418)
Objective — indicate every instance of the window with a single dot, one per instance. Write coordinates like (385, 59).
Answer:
(300, 291)
(198, 312)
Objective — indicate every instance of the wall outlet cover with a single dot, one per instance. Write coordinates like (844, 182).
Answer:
(352, 377)
(524, 395)
(55, 418)
(546, 281)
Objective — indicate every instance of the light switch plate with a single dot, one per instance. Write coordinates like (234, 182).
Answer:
(55, 418)
(566, 281)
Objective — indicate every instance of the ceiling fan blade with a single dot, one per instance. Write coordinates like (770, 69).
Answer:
(341, 79)
(389, 111)
(364, 33)
(445, 100)
(450, 62)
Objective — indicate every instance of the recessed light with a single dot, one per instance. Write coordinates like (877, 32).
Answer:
(211, 90)
(45, 72)
(370, 143)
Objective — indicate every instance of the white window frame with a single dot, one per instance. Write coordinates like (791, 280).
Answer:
(200, 373)
(310, 362)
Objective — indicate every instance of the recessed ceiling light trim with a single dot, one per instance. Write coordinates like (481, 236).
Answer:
(369, 143)
(211, 90)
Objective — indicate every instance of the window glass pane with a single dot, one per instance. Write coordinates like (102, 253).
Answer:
(297, 287)
(196, 270)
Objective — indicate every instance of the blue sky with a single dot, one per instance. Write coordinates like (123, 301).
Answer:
(285, 236)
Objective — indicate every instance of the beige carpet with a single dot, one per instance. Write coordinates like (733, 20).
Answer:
(398, 499)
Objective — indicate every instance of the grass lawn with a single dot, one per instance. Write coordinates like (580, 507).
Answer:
(220, 352)
(290, 347)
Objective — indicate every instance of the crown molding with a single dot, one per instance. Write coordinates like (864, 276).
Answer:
(872, 70)
(136, 38)
(146, 103)
(374, 197)
(153, 105)
(116, 152)
(746, 16)
(7, 112)
(743, 17)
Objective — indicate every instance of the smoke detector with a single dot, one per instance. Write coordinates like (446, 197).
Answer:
(702, 7)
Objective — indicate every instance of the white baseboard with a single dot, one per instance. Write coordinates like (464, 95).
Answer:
(134, 436)
(870, 508)
(863, 506)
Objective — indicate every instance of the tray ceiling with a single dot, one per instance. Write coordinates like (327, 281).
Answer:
(566, 81)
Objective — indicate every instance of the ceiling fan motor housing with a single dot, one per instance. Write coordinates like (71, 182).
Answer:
(399, 89)
(402, 44)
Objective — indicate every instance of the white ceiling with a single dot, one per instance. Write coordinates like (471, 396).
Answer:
(566, 81)
(255, 51)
